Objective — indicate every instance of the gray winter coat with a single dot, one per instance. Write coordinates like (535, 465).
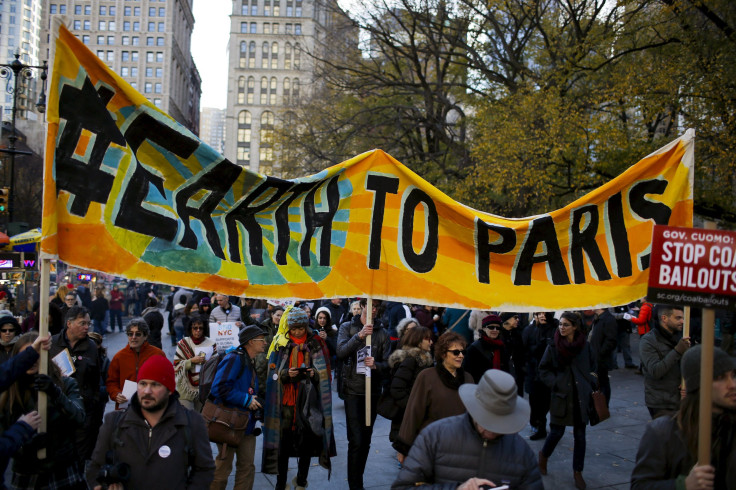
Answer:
(661, 367)
(348, 344)
(450, 451)
(560, 380)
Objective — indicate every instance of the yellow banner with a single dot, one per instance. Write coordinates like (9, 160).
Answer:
(130, 192)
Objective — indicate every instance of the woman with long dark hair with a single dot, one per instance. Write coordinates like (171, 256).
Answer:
(406, 363)
(191, 353)
(566, 368)
(62, 468)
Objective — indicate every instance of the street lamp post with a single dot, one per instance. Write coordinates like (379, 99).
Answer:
(12, 72)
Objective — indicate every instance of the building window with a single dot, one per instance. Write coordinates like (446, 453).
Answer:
(52, 8)
(110, 56)
(159, 57)
(157, 103)
(124, 71)
(157, 87)
(298, 10)
(244, 137)
(124, 56)
(134, 84)
(159, 41)
(152, 11)
(134, 56)
(264, 55)
(103, 10)
(287, 91)
(77, 10)
(111, 25)
(137, 11)
(267, 7)
(126, 40)
(147, 88)
(161, 12)
(298, 29)
(111, 10)
(149, 71)
(100, 54)
(274, 56)
(62, 9)
(77, 25)
(289, 8)
(133, 71)
(149, 41)
(241, 90)
(253, 28)
(159, 72)
(151, 27)
(85, 38)
(161, 26)
(102, 25)
(297, 56)
(288, 28)
(127, 11)
(87, 9)
(272, 92)
(275, 28)
(111, 40)
(287, 57)
(126, 25)
(136, 40)
(149, 56)
(264, 91)
(100, 39)
(252, 54)
(266, 28)
(244, 28)
(251, 89)
(136, 26)
(242, 60)
(295, 92)
(254, 7)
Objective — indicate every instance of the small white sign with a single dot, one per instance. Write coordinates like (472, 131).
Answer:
(203, 351)
(360, 357)
(65, 363)
(129, 389)
(225, 335)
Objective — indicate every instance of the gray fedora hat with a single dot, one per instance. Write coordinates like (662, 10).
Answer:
(495, 404)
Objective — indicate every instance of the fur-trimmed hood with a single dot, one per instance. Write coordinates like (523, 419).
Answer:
(422, 357)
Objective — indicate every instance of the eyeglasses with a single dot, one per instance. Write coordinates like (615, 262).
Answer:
(135, 334)
(5, 330)
(197, 328)
(492, 327)
(457, 352)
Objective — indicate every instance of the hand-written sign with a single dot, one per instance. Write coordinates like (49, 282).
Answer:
(164, 206)
(693, 266)
(225, 336)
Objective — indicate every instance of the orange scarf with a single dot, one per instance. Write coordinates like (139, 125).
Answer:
(298, 357)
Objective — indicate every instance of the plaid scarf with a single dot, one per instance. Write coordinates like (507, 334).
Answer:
(299, 357)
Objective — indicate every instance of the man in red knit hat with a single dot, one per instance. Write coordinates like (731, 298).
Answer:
(156, 441)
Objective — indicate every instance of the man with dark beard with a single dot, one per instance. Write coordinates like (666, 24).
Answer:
(668, 451)
(163, 444)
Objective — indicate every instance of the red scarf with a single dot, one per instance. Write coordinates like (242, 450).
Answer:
(496, 345)
(298, 357)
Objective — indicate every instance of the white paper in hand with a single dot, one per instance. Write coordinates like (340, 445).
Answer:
(129, 389)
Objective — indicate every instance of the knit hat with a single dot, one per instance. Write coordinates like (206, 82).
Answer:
(248, 333)
(11, 320)
(158, 368)
(506, 315)
(491, 320)
(297, 318)
(205, 300)
(690, 365)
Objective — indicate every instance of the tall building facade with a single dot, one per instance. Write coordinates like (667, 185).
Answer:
(212, 127)
(147, 42)
(270, 70)
(20, 31)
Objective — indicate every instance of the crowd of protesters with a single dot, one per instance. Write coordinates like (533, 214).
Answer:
(448, 379)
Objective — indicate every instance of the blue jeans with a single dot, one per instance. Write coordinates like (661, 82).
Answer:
(578, 453)
(98, 326)
(116, 316)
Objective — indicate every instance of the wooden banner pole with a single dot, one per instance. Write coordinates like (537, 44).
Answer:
(43, 330)
(368, 321)
(685, 333)
(706, 378)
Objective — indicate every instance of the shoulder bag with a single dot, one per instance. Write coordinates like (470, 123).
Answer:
(597, 408)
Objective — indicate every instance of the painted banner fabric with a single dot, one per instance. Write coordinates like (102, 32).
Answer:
(128, 191)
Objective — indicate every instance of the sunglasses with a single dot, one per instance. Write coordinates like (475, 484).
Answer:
(492, 327)
(5, 330)
(135, 334)
(457, 352)
(197, 328)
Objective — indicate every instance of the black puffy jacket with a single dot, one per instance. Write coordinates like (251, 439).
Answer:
(348, 344)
